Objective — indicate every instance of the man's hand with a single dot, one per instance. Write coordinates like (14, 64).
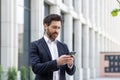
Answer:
(65, 59)
(70, 60)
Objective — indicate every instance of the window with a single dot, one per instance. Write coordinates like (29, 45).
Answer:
(46, 9)
(62, 28)
(63, 1)
(20, 26)
(73, 3)
(82, 44)
(23, 25)
(73, 35)
(26, 36)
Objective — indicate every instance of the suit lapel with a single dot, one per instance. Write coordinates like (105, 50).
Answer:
(45, 46)
(59, 49)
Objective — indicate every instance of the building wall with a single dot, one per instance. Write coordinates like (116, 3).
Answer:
(88, 29)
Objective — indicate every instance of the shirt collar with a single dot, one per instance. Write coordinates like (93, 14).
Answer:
(48, 40)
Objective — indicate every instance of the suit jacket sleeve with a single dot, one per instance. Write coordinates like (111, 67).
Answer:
(72, 70)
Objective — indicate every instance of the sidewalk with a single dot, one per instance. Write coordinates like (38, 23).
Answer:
(106, 79)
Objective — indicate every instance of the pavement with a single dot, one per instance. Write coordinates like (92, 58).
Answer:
(106, 79)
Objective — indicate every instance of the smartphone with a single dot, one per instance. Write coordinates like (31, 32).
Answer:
(72, 53)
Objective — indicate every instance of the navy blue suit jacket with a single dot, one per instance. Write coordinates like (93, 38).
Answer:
(42, 63)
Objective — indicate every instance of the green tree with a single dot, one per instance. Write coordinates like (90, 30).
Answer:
(115, 11)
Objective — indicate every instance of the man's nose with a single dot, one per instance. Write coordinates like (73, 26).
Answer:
(57, 29)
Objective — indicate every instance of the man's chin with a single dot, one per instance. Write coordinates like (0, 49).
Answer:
(54, 38)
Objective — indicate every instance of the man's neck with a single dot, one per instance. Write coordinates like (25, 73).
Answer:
(49, 38)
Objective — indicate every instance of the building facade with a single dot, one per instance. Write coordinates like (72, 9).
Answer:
(88, 29)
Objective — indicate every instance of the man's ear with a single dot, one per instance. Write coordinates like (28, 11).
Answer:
(45, 25)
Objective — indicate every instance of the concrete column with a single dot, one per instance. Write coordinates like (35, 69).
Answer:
(85, 10)
(102, 15)
(8, 36)
(105, 44)
(111, 49)
(78, 47)
(97, 53)
(98, 14)
(92, 53)
(54, 9)
(102, 44)
(108, 24)
(78, 42)
(106, 16)
(68, 30)
(69, 4)
(92, 12)
(37, 15)
(92, 48)
(78, 7)
(112, 45)
(85, 41)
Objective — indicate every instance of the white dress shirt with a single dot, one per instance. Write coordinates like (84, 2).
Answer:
(54, 53)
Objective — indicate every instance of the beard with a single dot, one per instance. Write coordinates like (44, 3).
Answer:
(52, 35)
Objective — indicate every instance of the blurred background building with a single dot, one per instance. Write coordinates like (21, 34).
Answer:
(88, 29)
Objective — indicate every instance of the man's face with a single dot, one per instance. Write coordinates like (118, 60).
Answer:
(53, 29)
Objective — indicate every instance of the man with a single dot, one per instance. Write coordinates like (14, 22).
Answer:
(49, 57)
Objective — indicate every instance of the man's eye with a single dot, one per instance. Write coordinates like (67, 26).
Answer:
(55, 27)
(58, 27)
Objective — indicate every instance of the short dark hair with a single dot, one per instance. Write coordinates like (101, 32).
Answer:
(52, 17)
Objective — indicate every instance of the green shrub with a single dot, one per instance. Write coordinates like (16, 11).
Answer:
(12, 73)
(23, 73)
(1, 72)
(31, 73)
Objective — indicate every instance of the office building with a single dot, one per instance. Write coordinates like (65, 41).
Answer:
(88, 29)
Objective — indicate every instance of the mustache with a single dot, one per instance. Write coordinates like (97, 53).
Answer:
(55, 33)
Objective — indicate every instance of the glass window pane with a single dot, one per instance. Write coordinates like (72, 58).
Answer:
(27, 3)
(63, 1)
(23, 26)
(46, 9)
(62, 28)
(26, 36)
(20, 27)
(73, 35)
(73, 3)
(82, 44)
